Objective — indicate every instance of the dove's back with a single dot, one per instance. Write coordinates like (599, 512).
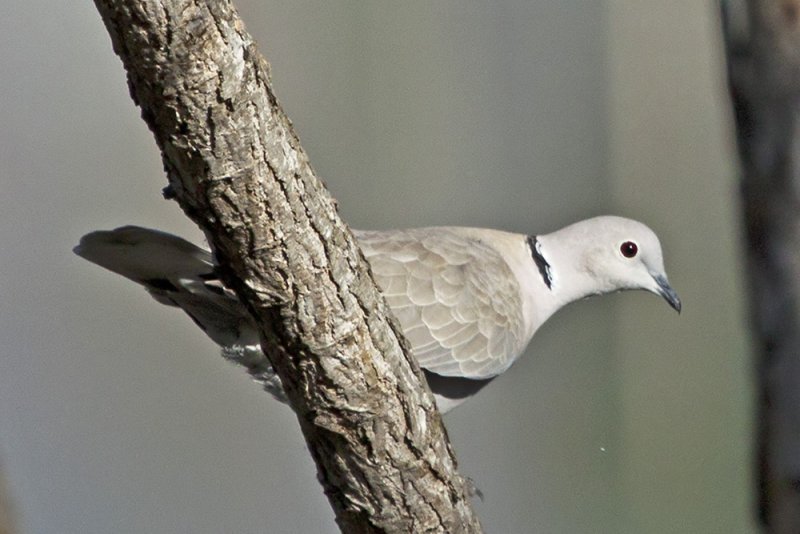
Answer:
(457, 298)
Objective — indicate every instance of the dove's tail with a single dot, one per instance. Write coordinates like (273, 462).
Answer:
(178, 273)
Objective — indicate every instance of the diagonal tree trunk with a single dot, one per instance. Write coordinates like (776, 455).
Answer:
(237, 169)
(763, 44)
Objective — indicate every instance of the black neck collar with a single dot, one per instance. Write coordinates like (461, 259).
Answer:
(540, 261)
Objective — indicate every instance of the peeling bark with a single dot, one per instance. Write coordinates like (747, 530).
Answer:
(237, 169)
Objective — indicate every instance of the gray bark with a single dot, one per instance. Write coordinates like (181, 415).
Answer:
(237, 169)
(764, 75)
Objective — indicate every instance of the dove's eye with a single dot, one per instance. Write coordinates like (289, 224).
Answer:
(629, 249)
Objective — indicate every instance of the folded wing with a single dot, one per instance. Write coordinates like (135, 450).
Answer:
(457, 300)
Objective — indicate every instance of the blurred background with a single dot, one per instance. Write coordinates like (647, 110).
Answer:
(118, 415)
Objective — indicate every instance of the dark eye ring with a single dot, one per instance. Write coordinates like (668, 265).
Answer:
(629, 249)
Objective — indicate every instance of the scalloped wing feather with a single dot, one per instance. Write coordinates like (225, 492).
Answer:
(457, 300)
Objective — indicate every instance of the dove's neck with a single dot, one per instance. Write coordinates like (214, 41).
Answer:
(561, 266)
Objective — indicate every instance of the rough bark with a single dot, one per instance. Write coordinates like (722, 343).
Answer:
(764, 76)
(237, 169)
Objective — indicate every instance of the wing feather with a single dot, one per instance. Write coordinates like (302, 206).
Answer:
(457, 300)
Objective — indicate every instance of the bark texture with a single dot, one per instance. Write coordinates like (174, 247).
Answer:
(237, 169)
(764, 74)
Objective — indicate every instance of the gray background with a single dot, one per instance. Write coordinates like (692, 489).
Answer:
(117, 415)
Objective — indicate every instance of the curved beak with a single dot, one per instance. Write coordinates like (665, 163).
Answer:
(666, 291)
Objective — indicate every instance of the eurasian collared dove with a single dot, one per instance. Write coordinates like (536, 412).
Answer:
(468, 299)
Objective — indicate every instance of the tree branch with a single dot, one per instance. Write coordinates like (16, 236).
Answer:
(237, 169)
(764, 77)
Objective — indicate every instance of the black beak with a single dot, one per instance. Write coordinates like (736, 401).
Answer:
(666, 291)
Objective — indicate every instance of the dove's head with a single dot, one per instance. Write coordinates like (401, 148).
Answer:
(606, 254)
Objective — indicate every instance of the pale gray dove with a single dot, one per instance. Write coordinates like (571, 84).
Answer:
(468, 299)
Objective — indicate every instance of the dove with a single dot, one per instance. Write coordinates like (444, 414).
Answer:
(469, 300)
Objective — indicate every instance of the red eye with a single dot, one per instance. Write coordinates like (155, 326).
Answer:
(629, 249)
